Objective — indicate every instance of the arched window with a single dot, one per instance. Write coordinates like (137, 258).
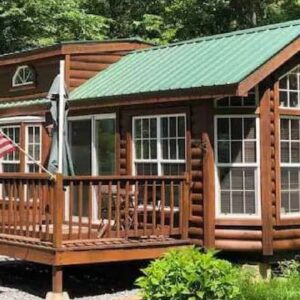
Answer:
(24, 75)
(289, 87)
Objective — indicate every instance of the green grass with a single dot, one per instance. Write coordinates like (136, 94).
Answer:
(275, 289)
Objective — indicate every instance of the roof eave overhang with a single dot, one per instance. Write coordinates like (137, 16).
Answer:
(157, 97)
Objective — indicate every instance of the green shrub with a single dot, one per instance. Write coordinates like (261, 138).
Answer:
(188, 274)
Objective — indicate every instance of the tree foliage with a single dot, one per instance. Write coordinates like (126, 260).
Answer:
(30, 23)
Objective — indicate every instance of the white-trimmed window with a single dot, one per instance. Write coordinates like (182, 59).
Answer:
(11, 161)
(234, 101)
(290, 165)
(33, 147)
(237, 163)
(289, 89)
(159, 145)
(24, 75)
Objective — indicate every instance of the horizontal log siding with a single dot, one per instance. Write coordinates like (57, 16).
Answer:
(84, 67)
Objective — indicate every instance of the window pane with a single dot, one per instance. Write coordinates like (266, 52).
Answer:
(138, 149)
(237, 179)
(293, 99)
(283, 98)
(285, 207)
(295, 151)
(250, 152)
(164, 127)
(284, 150)
(250, 202)
(146, 128)
(294, 198)
(294, 130)
(293, 82)
(181, 149)
(165, 149)
(236, 129)
(173, 169)
(146, 169)
(249, 128)
(283, 83)
(146, 149)
(236, 152)
(223, 129)
(225, 203)
(153, 128)
(173, 126)
(153, 149)
(181, 127)
(284, 129)
(249, 179)
(223, 152)
(284, 179)
(173, 151)
(294, 179)
(138, 128)
(224, 178)
(237, 203)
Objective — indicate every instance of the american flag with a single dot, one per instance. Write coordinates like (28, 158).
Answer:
(6, 145)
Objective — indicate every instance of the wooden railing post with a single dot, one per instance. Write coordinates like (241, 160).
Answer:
(58, 213)
(185, 207)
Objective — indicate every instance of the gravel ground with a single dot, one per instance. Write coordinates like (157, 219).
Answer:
(21, 280)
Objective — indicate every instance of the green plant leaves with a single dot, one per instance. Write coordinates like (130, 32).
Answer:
(189, 274)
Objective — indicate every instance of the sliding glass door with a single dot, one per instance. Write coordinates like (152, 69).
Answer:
(93, 148)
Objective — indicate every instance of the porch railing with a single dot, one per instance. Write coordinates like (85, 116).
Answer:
(86, 207)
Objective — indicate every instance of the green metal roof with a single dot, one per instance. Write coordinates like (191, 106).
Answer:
(23, 103)
(205, 62)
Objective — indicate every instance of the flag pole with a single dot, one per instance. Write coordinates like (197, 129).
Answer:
(52, 176)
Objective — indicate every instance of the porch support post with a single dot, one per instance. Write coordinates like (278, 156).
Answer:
(266, 116)
(57, 285)
(208, 193)
(58, 213)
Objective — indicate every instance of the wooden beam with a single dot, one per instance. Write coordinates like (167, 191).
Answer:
(111, 255)
(57, 279)
(208, 192)
(265, 172)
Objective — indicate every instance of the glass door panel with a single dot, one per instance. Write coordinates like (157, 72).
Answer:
(105, 130)
(80, 143)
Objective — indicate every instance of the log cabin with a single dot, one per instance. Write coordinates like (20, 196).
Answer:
(192, 143)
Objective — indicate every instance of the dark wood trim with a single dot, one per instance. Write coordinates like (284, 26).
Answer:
(277, 168)
(208, 192)
(238, 222)
(289, 112)
(265, 172)
(67, 70)
(270, 66)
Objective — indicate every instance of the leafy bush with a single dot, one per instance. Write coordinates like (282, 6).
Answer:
(188, 274)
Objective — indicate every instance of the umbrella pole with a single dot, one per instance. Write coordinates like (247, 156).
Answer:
(61, 112)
